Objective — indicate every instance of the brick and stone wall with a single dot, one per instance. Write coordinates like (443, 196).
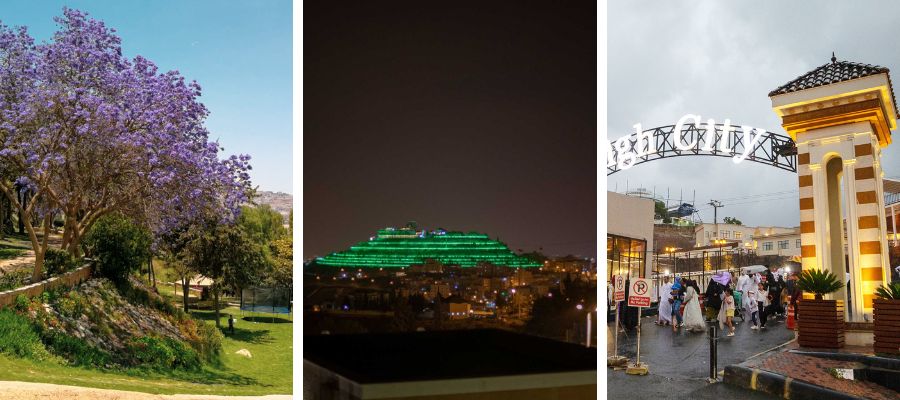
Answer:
(681, 237)
(67, 279)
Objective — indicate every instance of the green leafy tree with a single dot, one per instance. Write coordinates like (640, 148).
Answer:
(660, 212)
(732, 221)
(118, 246)
(171, 247)
(262, 223)
(281, 267)
(226, 254)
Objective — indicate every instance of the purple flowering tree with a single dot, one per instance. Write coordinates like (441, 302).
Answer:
(91, 132)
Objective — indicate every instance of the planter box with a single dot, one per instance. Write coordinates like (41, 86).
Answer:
(887, 326)
(820, 323)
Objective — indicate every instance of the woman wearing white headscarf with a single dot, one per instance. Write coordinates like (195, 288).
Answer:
(664, 317)
(693, 318)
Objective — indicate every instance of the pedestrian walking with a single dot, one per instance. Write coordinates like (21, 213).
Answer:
(762, 301)
(693, 318)
(744, 285)
(713, 299)
(753, 308)
(677, 298)
(729, 310)
(664, 316)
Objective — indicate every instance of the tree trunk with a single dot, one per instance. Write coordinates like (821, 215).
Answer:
(215, 288)
(38, 274)
(184, 290)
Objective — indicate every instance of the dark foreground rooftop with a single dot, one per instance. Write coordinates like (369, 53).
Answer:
(416, 356)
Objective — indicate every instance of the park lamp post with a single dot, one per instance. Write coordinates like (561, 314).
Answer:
(671, 251)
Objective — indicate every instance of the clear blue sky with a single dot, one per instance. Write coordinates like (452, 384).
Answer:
(238, 50)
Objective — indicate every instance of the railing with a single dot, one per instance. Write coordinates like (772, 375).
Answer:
(891, 198)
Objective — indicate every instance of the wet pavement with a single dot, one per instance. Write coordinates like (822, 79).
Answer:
(679, 362)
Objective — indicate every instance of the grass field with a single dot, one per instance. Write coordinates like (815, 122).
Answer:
(269, 371)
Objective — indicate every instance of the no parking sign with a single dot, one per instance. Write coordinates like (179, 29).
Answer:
(639, 294)
(619, 293)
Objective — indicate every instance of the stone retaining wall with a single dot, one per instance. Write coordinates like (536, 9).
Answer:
(67, 279)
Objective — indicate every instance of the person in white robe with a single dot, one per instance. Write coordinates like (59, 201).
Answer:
(664, 317)
(745, 284)
(693, 318)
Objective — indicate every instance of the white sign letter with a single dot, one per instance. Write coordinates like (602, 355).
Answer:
(679, 142)
(710, 135)
(748, 147)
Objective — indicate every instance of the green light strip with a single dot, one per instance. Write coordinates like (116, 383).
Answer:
(387, 250)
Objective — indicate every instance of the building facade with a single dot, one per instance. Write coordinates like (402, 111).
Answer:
(629, 237)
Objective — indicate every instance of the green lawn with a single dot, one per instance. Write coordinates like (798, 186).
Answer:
(7, 253)
(269, 371)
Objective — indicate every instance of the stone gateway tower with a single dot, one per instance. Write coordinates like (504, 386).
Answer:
(841, 115)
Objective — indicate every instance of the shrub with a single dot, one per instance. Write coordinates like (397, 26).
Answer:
(13, 279)
(77, 351)
(72, 304)
(57, 262)
(889, 292)
(162, 354)
(210, 343)
(22, 303)
(819, 282)
(119, 246)
(18, 337)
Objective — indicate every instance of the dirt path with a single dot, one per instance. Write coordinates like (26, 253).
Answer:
(18, 262)
(46, 391)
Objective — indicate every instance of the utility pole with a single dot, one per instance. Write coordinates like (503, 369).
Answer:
(716, 204)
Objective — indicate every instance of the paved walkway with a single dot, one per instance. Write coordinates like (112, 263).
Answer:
(45, 391)
(817, 371)
(679, 362)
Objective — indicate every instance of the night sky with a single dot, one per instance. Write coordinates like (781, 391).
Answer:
(472, 116)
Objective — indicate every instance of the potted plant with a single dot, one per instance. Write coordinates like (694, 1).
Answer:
(821, 322)
(887, 319)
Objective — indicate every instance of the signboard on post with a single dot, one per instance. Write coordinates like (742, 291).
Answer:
(639, 294)
(619, 292)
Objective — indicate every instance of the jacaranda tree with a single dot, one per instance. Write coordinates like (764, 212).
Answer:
(91, 132)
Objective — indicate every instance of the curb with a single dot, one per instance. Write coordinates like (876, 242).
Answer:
(779, 385)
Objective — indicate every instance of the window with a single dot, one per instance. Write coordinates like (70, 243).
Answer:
(783, 244)
(726, 234)
(798, 243)
(708, 235)
(767, 246)
(625, 256)
(738, 234)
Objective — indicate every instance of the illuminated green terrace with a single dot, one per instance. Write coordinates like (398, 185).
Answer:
(396, 248)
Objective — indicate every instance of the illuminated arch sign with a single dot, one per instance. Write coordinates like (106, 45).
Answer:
(690, 136)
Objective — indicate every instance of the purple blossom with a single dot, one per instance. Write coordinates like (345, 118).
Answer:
(102, 130)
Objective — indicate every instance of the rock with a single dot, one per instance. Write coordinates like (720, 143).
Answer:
(244, 352)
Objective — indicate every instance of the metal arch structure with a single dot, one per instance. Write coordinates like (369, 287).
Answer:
(771, 149)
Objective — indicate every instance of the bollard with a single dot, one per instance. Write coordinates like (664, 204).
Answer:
(713, 353)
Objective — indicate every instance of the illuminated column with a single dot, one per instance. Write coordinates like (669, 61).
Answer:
(840, 116)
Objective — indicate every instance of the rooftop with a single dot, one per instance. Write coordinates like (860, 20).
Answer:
(833, 72)
(441, 355)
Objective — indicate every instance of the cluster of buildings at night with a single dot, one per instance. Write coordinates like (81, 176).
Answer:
(455, 276)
